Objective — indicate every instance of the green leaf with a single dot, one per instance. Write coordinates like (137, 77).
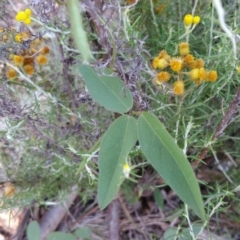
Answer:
(83, 232)
(61, 236)
(169, 161)
(107, 90)
(115, 146)
(185, 233)
(33, 231)
(170, 234)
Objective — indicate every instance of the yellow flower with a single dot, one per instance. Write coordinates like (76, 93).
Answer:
(27, 21)
(212, 76)
(29, 69)
(198, 75)
(41, 60)
(196, 19)
(184, 48)
(5, 38)
(11, 73)
(45, 50)
(28, 12)
(164, 54)
(22, 36)
(162, 63)
(24, 16)
(176, 64)
(18, 60)
(202, 73)
(238, 69)
(126, 170)
(9, 189)
(188, 19)
(18, 37)
(159, 63)
(178, 87)
(189, 59)
(21, 16)
(194, 74)
(198, 63)
(162, 77)
(155, 62)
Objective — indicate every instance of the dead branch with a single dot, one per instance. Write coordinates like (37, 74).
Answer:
(113, 223)
(55, 214)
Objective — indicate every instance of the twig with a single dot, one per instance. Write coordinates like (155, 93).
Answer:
(113, 214)
(125, 210)
(80, 219)
(54, 216)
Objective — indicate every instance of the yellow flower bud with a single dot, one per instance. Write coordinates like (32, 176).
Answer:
(188, 19)
(196, 19)
(27, 21)
(126, 170)
(18, 37)
(21, 16)
(28, 12)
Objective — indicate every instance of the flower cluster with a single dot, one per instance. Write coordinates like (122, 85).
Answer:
(11, 36)
(27, 59)
(191, 20)
(181, 68)
(24, 16)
